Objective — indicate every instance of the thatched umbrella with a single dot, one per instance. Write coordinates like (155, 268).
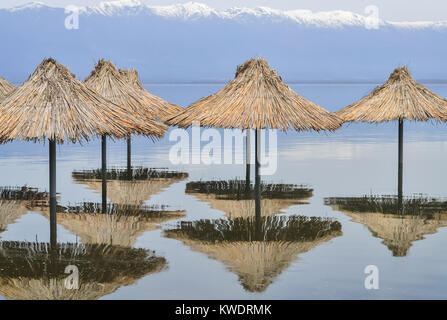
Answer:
(256, 250)
(5, 88)
(52, 104)
(398, 225)
(399, 99)
(231, 197)
(37, 271)
(122, 89)
(257, 98)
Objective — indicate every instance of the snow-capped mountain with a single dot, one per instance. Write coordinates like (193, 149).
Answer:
(194, 42)
(195, 10)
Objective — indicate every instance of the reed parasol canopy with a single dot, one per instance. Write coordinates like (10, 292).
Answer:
(232, 198)
(5, 88)
(36, 271)
(398, 229)
(256, 98)
(52, 104)
(119, 226)
(158, 108)
(258, 255)
(106, 80)
(400, 98)
(145, 183)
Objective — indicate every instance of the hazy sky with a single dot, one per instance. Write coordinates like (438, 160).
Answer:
(396, 10)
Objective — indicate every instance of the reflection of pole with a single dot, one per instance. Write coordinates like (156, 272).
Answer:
(247, 159)
(400, 165)
(257, 175)
(129, 157)
(53, 202)
(104, 172)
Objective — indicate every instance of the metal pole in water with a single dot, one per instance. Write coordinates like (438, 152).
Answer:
(400, 163)
(104, 172)
(129, 157)
(53, 201)
(257, 174)
(247, 159)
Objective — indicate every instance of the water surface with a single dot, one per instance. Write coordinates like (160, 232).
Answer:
(309, 247)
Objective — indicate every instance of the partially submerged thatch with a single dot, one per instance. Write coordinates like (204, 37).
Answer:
(399, 98)
(106, 80)
(120, 225)
(257, 251)
(236, 200)
(158, 108)
(36, 271)
(257, 98)
(397, 222)
(52, 104)
(5, 88)
(122, 191)
(16, 201)
(10, 212)
(136, 173)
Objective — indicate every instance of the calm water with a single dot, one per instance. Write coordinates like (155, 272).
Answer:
(201, 246)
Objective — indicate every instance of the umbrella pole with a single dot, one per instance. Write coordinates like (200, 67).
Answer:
(129, 157)
(257, 176)
(53, 202)
(247, 159)
(400, 165)
(104, 172)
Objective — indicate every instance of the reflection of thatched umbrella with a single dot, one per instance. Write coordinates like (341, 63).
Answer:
(36, 271)
(232, 198)
(52, 104)
(5, 88)
(256, 254)
(145, 183)
(156, 107)
(106, 80)
(10, 211)
(399, 99)
(14, 203)
(397, 226)
(119, 226)
(257, 98)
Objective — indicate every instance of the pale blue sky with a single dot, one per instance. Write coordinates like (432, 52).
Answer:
(396, 10)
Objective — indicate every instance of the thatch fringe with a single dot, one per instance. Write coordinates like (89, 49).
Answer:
(22, 193)
(257, 98)
(414, 205)
(238, 190)
(399, 98)
(52, 104)
(273, 228)
(137, 173)
(158, 108)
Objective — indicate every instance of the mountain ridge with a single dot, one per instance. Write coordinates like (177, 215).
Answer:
(197, 10)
